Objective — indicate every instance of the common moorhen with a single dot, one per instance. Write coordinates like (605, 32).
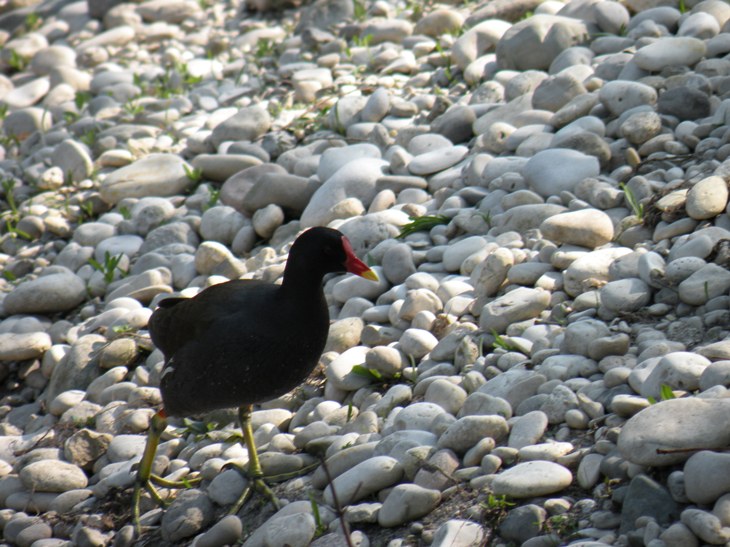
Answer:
(242, 342)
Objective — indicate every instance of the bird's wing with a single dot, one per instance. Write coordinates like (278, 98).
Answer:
(176, 321)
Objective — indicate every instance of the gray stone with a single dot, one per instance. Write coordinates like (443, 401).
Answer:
(153, 175)
(248, 124)
(52, 476)
(407, 502)
(551, 171)
(364, 479)
(55, 292)
(646, 497)
(533, 43)
(532, 479)
(658, 435)
(670, 51)
(191, 511)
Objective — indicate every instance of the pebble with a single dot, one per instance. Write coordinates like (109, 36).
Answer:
(670, 51)
(407, 502)
(639, 443)
(153, 175)
(458, 533)
(707, 198)
(547, 174)
(52, 476)
(530, 479)
(364, 479)
(191, 511)
(55, 292)
(586, 228)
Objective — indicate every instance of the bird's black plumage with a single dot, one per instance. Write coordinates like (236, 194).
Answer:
(244, 341)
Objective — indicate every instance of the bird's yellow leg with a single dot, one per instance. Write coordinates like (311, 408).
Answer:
(255, 473)
(144, 471)
(145, 477)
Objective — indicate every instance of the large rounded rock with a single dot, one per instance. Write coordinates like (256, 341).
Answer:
(517, 305)
(55, 292)
(549, 172)
(191, 511)
(533, 43)
(590, 270)
(52, 476)
(706, 476)
(587, 228)
(247, 124)
(670, 51)
(355, 179)
(666, 433)
(707, 198)
(153, 175)
(532, 479)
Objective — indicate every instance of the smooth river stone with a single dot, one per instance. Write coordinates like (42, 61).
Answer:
(364, 479)
(670, 51)
(706, 476)
(52, 476)
(153, 175)
(707, 198)
(517, 305)
(587, 228)
(532, 479)
(51, 293)
(552, 171)
(673, 428)
(706, 283)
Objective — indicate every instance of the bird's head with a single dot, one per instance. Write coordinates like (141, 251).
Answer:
(328, 251)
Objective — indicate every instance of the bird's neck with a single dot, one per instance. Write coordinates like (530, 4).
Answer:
(305, 279)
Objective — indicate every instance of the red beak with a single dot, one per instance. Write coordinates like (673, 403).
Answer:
(355, 265)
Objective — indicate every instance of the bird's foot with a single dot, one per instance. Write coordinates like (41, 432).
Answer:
(255, 483)
(150, 485)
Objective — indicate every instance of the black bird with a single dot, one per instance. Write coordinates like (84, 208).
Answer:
(243, 342)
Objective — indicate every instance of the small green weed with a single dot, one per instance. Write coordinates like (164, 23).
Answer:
(8, 186)
(366, 372)
(89, 138)
(496, 509)
(198, 429)
(636, 206)
(110, 265)
(265, 47)
(215, 195)
(418, 224)
(122, 329)
(11, 227)
(32, 22)
(321, 527)
(361, 11)
(564, 526)
(81, 99)
(17, 62)
(87, 208)
(195, 175)
(133, 108)
(362, 41)
(665, 394)
(501, 343)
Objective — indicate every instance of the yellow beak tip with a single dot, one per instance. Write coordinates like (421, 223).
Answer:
(370, 274)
